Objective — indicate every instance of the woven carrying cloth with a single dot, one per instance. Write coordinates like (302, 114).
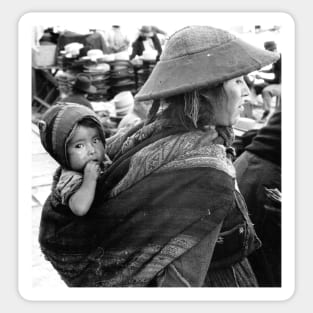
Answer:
(199, 56)
(176, 190)
(155, 214)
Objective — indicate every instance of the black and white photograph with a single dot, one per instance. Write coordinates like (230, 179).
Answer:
(155, 154)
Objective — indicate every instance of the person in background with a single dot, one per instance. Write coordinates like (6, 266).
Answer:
(146, 40)
(158, 30)
(168, 212)
(269, 82)
(49, 36)
(80, 90)
(138, 114)
(258, 171)
(117, 40)
(162, 35)
(94, 40)
(74, 137)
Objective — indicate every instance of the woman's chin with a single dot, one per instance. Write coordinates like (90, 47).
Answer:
(235, 120)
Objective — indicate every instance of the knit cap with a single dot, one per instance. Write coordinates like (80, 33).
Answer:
(56, 126)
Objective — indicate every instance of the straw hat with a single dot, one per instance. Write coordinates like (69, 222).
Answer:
(95, 53)
(73, 48)
(199, 56)
(121, 56)
(146, 31)
(83, 83)
(107, 58)
(124, 102)
(100, 68)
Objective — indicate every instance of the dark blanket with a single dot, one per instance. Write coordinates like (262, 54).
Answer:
(130, 238)
(267, 143)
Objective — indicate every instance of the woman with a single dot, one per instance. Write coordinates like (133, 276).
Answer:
(168, 212)
(146, 40)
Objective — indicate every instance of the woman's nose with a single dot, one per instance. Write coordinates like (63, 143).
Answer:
(245, 90)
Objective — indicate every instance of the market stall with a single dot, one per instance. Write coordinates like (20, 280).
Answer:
(56, 67)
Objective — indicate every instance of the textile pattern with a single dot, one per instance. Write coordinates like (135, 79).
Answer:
(176, 190)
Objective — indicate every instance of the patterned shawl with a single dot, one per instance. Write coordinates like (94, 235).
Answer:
(175, 191)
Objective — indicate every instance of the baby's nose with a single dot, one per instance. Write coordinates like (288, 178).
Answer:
(91, 149)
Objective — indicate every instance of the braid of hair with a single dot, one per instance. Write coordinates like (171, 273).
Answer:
(153, 111)
(226, 133)
(192, 106)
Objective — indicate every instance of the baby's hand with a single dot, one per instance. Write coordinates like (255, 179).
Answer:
(92, 170)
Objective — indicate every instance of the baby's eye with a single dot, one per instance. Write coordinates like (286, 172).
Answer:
(96, 140)
(79, 146)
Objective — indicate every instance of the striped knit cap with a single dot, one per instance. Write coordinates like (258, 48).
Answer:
(57, 124)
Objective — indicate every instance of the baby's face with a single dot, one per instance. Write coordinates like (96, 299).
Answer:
(85, 146)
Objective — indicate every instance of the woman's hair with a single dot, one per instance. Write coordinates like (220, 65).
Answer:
(192, 110)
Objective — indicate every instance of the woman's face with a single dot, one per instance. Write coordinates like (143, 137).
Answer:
(228, 112)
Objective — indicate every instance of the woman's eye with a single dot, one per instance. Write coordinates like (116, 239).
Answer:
(96, 140)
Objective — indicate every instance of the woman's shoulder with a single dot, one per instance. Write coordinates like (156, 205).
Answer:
(181, 151)
(197, 149)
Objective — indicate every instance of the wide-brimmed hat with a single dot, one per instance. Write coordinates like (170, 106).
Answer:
(97, 68)
(95, 53)
(199, 56)
(146, 31)
(83, 83)
(124, 102)
(57, 124)
(121, 56)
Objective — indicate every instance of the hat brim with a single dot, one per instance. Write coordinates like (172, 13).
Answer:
(205, 68)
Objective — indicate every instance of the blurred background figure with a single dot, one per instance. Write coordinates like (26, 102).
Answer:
(94, 40)
(258, 170)
(157, 30)
(81, 88)
(162, 35)
(147, 40)
(267, 82)
(117, 40)
(138, 114)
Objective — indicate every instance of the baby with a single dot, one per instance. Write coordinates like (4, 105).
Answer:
(73, 135)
